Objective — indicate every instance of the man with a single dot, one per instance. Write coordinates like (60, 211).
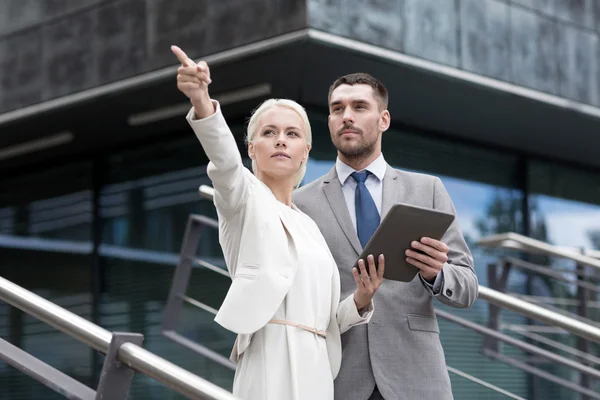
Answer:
(398, 355)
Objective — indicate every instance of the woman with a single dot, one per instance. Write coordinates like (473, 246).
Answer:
(284, 299)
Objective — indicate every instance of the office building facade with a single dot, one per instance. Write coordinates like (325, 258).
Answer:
(99, 170)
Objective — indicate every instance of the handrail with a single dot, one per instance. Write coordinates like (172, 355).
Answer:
(550, 272)
(206, 192)
(516, 241)
(135, 357)
(556, 309)
(592, 253)
(528, 309)
(75, 326)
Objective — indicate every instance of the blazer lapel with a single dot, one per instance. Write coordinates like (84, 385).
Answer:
(391, 191)
(335, 197)
(288, 224)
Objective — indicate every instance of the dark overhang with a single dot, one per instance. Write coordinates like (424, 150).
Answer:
(301, 65)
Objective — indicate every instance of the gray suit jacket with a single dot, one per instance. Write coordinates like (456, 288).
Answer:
(400, 349)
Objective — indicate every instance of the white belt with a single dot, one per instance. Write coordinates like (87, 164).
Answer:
(316, 331)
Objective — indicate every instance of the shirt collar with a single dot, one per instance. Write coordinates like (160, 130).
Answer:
(377, 168)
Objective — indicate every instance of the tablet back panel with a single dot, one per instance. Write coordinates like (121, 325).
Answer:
(403, 224)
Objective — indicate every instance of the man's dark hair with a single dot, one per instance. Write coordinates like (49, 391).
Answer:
(361, 78)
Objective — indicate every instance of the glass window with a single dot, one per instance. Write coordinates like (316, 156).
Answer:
(567, 204)
(45, 247)
(567, 213)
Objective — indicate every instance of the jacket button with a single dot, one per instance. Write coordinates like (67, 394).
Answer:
(448, 292)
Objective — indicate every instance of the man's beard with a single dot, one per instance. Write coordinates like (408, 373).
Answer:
(360, 151)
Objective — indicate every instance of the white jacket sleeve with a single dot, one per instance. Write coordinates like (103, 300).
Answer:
(348, 316)
(225, 168)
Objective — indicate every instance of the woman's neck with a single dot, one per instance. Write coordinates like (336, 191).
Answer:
(282, 189)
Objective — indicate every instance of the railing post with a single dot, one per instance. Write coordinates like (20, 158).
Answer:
(582, 298)
(182, 274)
(179, 286)
(123, 352)
(498, 283)
(115, 378)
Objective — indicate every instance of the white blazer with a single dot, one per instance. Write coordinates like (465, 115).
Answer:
(255, 245)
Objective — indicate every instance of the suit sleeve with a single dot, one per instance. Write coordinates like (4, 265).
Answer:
(458, 286)
(225, 168)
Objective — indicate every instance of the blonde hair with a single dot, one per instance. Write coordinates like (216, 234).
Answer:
(292, 105)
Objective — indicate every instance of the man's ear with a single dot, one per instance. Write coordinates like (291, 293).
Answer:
(384, 121)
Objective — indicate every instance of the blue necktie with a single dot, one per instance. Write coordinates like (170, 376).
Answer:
(367, 216)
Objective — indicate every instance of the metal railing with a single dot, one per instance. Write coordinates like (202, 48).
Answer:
(528, 348)
(122, 350)
(541, 314)
(515, 241)
(188, 260)
(577, 284)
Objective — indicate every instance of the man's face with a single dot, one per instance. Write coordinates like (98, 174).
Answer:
(355, 120)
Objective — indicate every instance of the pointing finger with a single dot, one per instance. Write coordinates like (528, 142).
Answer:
(182, 57)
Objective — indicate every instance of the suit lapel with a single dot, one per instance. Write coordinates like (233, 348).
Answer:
(335, 197)
(391, 191)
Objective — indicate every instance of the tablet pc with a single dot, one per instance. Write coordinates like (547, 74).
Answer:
(403, 224)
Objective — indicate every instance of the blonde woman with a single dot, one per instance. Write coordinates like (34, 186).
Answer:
(284, 301)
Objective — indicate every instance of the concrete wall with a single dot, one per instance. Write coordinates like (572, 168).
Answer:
(54, 47)
(549, 45)
(51, 48)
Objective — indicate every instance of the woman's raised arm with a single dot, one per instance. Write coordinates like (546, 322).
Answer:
(225, 169)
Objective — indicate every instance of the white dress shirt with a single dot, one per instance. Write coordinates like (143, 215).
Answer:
(374, 184)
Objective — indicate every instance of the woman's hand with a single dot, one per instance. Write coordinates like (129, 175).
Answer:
(193, 80)
(367, 283)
